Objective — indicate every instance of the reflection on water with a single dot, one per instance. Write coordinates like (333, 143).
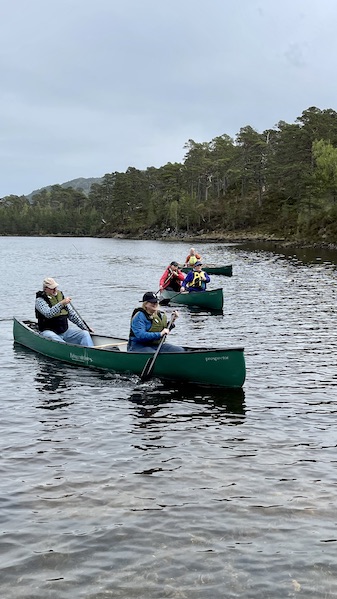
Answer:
(194, 310)
(50, 378)
(215, 402)
(306, 255)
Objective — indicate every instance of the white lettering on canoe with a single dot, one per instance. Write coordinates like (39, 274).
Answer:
(216, 359)
(80, 358)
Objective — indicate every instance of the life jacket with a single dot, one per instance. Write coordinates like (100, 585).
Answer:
(197, 280)
(59, 323)
(192, 260)
(158, 323)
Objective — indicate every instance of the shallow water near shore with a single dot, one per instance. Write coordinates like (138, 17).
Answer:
(116, 488)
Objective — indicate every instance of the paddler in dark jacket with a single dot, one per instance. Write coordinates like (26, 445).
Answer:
(53, 311)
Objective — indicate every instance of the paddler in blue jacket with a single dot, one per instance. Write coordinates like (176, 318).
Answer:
(196, 279)
(147, 327)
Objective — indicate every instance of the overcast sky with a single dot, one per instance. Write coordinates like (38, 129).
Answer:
(92, 87)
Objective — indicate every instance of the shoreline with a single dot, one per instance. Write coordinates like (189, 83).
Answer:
(219, 237)
(225, 237)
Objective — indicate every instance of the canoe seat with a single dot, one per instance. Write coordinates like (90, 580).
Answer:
(32, 325)
(108, 346)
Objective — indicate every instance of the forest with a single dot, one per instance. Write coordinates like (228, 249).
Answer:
(281, 183)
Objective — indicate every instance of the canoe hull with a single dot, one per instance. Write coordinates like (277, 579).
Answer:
(210, 300)
(226, 270)
(211, 367)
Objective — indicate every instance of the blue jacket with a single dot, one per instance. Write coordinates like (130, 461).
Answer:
(189, 279)
(139, 334)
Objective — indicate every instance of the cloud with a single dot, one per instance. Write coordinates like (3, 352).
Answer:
(89, 88)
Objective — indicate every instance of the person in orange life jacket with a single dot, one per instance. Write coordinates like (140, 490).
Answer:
(192, 258)
(196, 279)
(147, 327)
(172, 278)
(53, 311)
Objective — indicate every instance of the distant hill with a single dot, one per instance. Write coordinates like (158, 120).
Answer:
(81, 183)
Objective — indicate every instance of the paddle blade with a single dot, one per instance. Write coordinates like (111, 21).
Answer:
(146, 372)
(164, 302)
(148, 368)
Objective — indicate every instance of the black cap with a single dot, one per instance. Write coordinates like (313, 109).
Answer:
(198, 263)
(174, 263)
(149, 296)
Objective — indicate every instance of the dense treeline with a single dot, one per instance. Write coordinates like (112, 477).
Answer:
(281, 182)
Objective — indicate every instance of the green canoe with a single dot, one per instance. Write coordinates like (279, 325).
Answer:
(210, 300)
(211, 269)
(217, 367)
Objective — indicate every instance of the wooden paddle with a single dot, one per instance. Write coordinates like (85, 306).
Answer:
(148, 368)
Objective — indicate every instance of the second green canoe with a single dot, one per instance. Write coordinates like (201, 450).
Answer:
(211, 269)
(211, 299)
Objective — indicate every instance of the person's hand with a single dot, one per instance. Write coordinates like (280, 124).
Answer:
(164, 332)
(65, 301)
(161, 288)
(91, 330)
(175, 313)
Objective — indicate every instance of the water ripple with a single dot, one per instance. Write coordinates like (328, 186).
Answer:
(116, 488)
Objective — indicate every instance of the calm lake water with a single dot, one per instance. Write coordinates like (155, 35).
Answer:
(113, 488)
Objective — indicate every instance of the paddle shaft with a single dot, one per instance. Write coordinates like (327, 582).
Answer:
(159, 289)
(147, 370)
(79, 316)
(166, 301)
(166, 281)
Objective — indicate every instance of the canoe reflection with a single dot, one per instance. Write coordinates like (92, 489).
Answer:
(52, 382)
(51, 378)
(217, 403)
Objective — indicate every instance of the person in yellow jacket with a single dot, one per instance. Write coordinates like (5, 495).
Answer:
(192, 258)
(196, 279)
